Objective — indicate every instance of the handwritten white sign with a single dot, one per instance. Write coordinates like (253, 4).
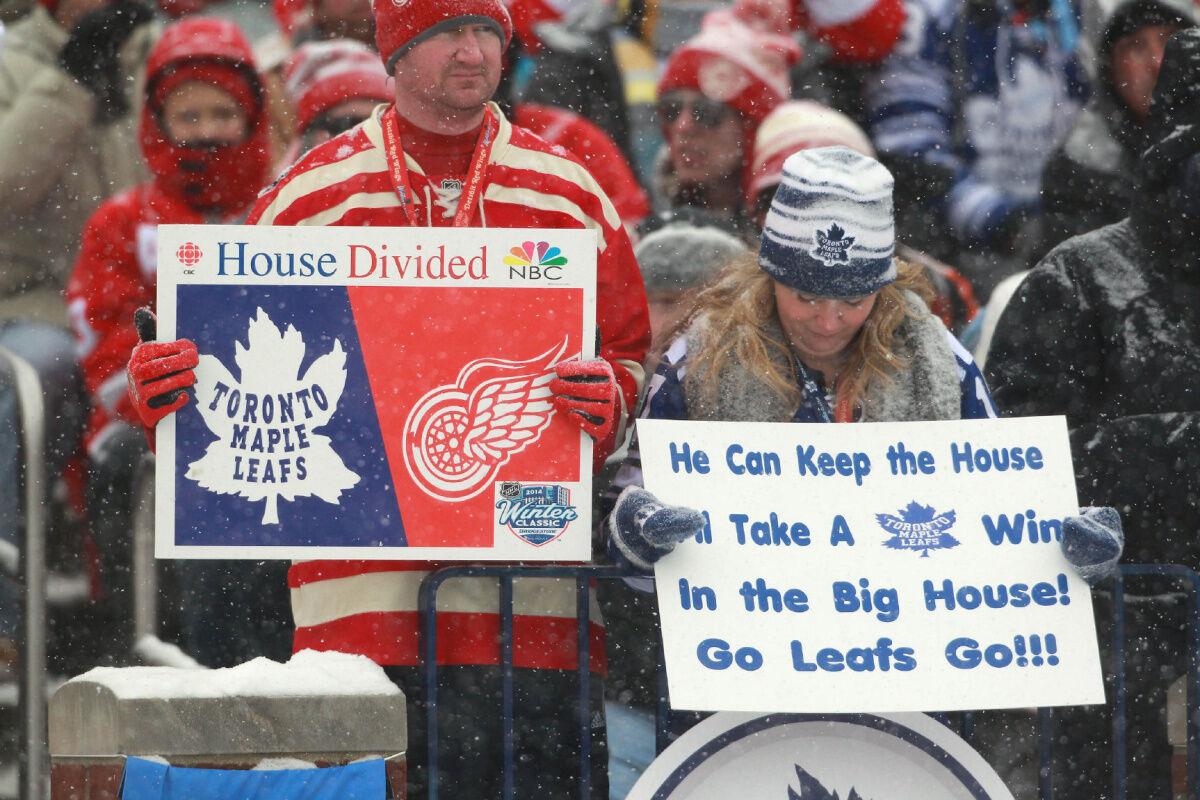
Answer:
(872, 567)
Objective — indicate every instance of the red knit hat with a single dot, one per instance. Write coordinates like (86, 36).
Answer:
(731, 63)
(320, 75)
(400, 24)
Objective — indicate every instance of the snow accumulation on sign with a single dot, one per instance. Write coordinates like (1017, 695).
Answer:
(375, 393)
(878, 567)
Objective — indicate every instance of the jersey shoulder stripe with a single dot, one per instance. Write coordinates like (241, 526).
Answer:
(346, 157)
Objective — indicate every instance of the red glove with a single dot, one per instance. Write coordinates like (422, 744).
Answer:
(159, 372)
(586, 392)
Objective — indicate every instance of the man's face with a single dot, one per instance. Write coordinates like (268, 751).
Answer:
(1135, 61)
(198, 112)
(456, 70)
(704, 137)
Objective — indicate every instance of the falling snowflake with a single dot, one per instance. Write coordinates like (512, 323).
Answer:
(266, 446)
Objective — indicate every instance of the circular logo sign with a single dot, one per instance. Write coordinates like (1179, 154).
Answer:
(820, 757)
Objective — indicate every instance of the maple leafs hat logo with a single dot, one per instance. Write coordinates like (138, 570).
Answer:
(830, 231)
(266, 447)
(832, 246)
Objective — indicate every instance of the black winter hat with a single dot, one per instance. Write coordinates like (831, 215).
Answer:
(1132, 17)
(1174, 120)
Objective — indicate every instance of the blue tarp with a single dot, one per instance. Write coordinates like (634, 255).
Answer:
(149, 780)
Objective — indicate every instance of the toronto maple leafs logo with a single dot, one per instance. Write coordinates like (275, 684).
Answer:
(267, 447)
(832, 246)
(457, 436)
(919, 528)
(811, 789)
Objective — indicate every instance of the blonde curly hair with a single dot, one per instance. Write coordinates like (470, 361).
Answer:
(736, 305)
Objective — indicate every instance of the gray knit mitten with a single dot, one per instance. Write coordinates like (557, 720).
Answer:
(644, 530)
(1093, 542)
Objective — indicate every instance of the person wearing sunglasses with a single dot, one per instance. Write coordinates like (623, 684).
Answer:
(715, 90)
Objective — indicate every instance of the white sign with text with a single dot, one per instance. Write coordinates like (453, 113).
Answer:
(879, 567)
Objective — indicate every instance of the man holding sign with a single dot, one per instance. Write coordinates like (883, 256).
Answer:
(441, 156)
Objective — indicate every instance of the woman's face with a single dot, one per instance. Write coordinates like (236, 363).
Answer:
(821, 328)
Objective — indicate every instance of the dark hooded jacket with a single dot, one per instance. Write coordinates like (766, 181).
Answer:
(1090, 180)
(1106, 329)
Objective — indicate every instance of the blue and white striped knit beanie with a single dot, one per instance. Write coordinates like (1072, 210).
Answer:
(830, 231)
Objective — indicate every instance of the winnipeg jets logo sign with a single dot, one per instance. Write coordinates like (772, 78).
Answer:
(832, 246)
(458, 435)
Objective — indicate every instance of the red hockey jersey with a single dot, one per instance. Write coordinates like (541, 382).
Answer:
(370, 608)
(114, 275)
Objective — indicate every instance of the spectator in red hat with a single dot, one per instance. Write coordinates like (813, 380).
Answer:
(204, 135)
(713, 94)
(442, 155)
(334, 85)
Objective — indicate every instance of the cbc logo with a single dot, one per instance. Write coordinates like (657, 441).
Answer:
(188, 254)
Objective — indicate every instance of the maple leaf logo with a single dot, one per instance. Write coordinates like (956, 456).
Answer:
(266, 446)
(919, 528)
(811, 789)
(832, 246)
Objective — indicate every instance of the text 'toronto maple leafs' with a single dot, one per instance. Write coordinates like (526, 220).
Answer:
(266, 447)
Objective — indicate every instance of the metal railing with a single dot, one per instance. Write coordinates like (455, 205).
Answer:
(32, 690)
(584, 575)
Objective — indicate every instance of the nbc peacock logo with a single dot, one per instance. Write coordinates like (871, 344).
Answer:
(535, 260)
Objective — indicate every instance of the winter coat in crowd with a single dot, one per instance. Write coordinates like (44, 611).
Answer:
(595, 149)
(967, 109)
(58, 164)
(1106, 329)
(116, 271)
(1090, 180)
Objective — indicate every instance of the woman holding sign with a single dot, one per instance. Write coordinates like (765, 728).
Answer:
(823, 325)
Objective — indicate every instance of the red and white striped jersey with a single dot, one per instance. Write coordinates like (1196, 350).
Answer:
(371, 607)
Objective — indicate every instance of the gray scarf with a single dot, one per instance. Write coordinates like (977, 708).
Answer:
(928, 389)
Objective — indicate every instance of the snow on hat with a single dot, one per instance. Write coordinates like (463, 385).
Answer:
(798, 125)
(730, 62)
(681, 255)
(830, 230)
(401, 24)
(319, 75)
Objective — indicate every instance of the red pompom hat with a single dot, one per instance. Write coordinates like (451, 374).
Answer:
(221, 180)
(319, 75)
(400, 24)
(733, 63)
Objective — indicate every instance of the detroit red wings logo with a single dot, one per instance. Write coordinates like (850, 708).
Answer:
(458, 435)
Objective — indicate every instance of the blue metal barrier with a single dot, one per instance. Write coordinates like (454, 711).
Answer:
(584, 575)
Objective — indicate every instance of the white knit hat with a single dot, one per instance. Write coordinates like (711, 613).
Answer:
(830, 231)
